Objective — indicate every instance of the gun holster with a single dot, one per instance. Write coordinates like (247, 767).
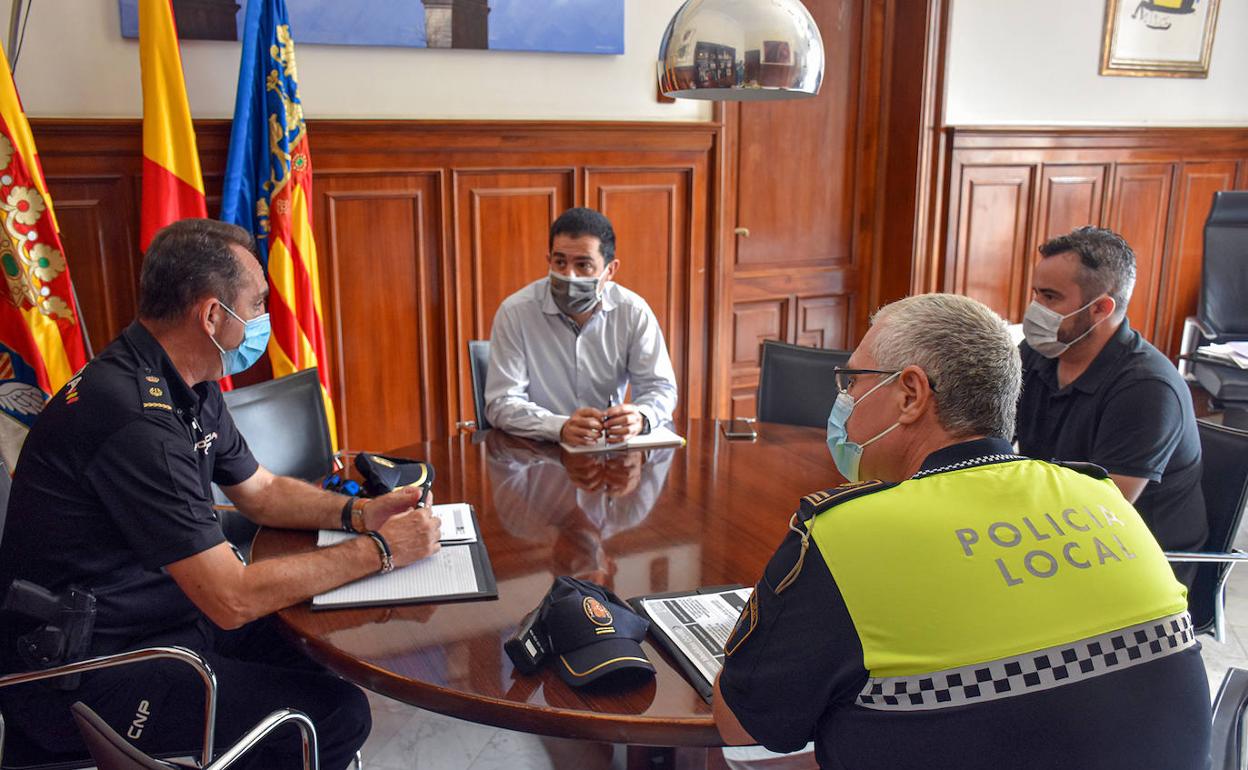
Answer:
(65, 636)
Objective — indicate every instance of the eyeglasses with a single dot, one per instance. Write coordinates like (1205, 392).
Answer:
(845, 378)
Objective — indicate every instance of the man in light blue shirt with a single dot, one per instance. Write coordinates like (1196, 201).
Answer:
(566, 348)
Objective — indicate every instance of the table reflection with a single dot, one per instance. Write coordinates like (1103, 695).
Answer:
(574, 502)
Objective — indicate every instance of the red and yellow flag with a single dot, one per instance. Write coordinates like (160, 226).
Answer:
(173, 187)
(41, 339)
(268, 190)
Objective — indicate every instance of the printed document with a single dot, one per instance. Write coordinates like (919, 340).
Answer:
(699, 624)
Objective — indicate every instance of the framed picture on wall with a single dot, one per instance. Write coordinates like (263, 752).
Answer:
(1158, 38)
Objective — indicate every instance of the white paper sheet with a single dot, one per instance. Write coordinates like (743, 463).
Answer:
(658, 437)
(457, 526)
(448, 572)
(700, 624)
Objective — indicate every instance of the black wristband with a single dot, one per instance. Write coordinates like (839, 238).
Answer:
(346, 515)
(387, 559)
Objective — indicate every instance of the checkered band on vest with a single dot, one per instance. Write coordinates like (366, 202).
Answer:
(1032, 671)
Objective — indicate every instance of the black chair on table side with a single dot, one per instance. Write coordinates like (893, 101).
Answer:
(1228, 744)
(285, 426)
(796, 385)
(479, 367)
(1222, 314)
(1225, 487)
(118, 754)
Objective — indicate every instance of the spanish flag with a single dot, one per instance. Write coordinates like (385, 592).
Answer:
(268, 190)
(42, 344)
(173, 187)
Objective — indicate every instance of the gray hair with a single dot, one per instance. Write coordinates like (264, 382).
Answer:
(964, 348)
(1106, 263)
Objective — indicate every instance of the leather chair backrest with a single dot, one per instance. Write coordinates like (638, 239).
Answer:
(1223, 304)
(479, 359)
(285, 426)
(797, 385)
(6, 484)
(1224, 459)
(108, 749)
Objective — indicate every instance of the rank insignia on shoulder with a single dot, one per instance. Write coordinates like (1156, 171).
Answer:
(152, 397)
(817, 502)
(1087, 469)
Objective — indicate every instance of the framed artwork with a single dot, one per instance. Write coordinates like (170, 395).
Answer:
(1158, 38)
(558, 26)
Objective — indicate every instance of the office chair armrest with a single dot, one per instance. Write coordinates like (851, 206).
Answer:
(466, 426)
(307, 731)
(1205, 331)
(182, 654)
(1235, 555)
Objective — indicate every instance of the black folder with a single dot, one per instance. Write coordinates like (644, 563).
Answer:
(669, 645)
(487, 587)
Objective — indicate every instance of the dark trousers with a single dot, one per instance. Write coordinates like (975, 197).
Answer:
(159, 705)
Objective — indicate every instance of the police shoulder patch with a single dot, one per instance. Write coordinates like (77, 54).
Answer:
(817, 502)
(154, 393)
(1087, 469)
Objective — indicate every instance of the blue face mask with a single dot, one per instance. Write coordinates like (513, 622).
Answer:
(845, 453)
(255, 341)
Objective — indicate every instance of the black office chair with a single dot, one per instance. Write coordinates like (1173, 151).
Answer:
(286, 428)
(1228, 744)
(797, 386)
(112, 752)
(1224, 484)
(6, 484)
(26, 757)
(1222, 314)
(479, 366)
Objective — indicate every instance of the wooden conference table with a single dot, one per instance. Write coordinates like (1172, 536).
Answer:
(710, 513)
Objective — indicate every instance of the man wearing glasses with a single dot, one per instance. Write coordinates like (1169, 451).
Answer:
(957, 605)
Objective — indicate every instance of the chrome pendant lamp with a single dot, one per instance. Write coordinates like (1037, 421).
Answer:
(741, 50)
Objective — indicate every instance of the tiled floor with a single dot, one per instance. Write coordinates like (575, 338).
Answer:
(409, 738)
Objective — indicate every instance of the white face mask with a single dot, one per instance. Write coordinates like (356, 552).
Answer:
(1040, 325)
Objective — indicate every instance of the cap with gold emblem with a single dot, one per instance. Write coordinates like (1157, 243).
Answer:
(592, 632)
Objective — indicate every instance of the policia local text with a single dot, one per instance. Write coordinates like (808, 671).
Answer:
(1044, 562)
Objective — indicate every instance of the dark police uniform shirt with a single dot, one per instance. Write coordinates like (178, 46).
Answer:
(1130, 413)
(112, 484)
(944, 622)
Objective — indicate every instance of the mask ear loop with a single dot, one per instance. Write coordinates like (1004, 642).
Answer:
(801, 557)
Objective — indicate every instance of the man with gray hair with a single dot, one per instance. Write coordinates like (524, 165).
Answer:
(965, 607)
(1094, 390)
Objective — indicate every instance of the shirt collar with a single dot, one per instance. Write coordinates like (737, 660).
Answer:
(153, 358)
(547, 300)
(965, 454)
(1101, 367)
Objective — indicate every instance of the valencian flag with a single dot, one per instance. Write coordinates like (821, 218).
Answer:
(42, 344)
(173, 187)
(268, 190)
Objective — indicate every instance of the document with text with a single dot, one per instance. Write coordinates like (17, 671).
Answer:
(693, 627)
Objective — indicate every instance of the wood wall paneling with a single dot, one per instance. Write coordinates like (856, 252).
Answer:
(380, 243)
(1153, 186)
(1197, 182)
(991, 251)
(1139, 213)
(93, 213)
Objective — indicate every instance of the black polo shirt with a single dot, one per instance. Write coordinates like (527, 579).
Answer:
(1131, 413)
(113, 484)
